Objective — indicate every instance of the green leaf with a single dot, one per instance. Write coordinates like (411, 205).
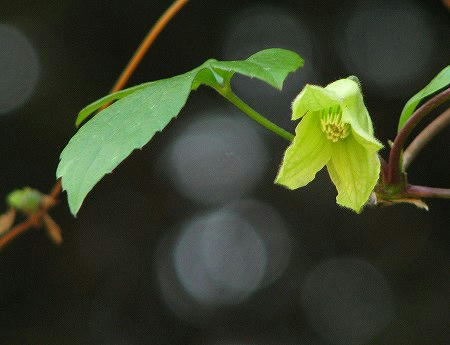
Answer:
(270, 65)
(110, 136)
(89, 109)
(439, 82)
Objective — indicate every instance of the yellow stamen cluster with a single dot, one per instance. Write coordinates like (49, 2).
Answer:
(332, 126)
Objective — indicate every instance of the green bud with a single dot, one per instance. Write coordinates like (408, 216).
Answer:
(27, 200)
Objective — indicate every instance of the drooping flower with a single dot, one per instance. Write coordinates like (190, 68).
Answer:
(336, 131)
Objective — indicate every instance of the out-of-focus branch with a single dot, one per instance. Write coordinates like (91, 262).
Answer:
(35, 219)
(146, 43)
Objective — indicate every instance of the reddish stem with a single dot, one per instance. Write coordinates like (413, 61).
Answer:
(384, 168)
(419, 192)
(424, 137)
(394, 169)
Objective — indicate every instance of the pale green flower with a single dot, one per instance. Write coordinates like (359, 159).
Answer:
(336, 131)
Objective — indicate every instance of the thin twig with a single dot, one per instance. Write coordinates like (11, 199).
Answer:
(147, 42)
(154, 32)
(424, 137)
(394, 175)
(32, 221)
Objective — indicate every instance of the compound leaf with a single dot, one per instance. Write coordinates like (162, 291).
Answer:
(104, 141)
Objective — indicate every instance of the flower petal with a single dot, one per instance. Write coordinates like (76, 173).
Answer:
(354, 171)
(313, 98)
(354, 112)
(308, 153)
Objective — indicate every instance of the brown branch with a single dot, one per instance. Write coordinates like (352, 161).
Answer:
(35, 219)
(424, 137)
(146, 43)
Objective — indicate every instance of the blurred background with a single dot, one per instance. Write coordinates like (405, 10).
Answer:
(189, 241)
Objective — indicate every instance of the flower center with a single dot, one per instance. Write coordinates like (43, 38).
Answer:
(332, 126)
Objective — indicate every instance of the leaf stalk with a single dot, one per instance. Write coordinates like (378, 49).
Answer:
(253, 114)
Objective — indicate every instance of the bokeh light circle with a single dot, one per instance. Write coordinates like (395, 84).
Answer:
(220, 259)
(217, 159)
(386, 43)
(347, 301)
(19, 68)
(272, 228)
